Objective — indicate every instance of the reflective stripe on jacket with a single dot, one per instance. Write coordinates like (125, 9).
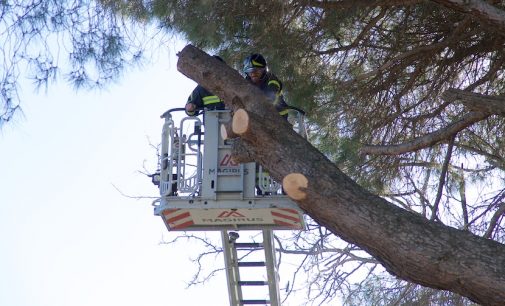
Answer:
(202, 98)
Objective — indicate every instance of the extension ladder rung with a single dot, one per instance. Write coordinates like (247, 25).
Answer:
(254, 302)
(248, 245)
(251, 264)
(253, 283)
(266, 291)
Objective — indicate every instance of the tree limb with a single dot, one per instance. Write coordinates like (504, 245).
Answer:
(476, 102)
(481, 106)
(494, 220)
(443, 176)
(482, 10)
(428, 139)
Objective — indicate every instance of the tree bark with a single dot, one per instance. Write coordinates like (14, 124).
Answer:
(483, 11)
(476, 102)
(406, 244)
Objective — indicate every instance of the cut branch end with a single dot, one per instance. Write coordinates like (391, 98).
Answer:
(293, 185)
(227, 132)
(240, 123)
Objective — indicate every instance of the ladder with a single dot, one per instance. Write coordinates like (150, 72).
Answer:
(237, 256)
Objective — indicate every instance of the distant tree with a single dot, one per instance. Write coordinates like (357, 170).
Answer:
(85, 42)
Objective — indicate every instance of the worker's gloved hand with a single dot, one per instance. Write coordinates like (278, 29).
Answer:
(190, 109)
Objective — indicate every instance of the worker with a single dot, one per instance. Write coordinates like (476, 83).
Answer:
(256, 71)
(201, 98)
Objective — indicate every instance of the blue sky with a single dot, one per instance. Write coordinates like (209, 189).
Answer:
(67, 235)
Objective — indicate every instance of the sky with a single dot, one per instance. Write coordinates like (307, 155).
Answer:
(69, 233)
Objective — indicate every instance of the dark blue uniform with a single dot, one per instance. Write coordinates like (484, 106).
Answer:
(202, 98)
(272, 87)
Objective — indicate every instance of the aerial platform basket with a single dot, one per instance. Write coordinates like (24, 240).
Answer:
(202, 188)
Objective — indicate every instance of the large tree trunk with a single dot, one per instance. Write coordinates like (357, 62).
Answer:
(407, 245)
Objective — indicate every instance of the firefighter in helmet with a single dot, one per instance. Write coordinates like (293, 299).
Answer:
(256, 71)
(201, 98)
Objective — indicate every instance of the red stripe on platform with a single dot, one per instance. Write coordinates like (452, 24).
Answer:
(279, 222)
(169, 211)
(178, 217)
(183, 225)
(276, 214)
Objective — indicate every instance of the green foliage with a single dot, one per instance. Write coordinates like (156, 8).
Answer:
(44, 36)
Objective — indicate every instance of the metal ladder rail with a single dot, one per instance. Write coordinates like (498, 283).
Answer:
(232, 269)
(272, 273)
(233, 264)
